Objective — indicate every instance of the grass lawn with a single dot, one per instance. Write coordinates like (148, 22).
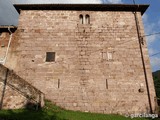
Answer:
(52, 112)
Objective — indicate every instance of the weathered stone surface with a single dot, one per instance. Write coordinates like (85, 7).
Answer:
(4, 39)
(15, 92)
(77, 78)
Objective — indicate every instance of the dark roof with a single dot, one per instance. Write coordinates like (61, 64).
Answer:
(4, 28)
(7, 26)
(90, 7)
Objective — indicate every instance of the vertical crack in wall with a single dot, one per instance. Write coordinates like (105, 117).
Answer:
(84, 64)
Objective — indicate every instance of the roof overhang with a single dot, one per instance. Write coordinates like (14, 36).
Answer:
(88, 7)
(7, 26)
(4, 28)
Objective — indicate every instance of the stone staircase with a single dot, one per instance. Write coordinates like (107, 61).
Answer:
(15, 92)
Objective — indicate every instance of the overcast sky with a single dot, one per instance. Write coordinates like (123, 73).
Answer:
(8, 15)
(151, 18)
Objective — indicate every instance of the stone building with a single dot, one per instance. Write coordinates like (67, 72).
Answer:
(86, 57)
(15, 92)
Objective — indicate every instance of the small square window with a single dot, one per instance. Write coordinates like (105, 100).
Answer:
(50, 56)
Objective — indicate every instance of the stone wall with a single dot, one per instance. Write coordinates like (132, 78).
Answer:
(98, 66)
(15, 92)
(4, 39)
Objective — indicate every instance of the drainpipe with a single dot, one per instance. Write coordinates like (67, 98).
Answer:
(141, 51)
(6, 54)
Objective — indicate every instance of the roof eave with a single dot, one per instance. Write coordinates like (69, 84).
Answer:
(4, 28)
(89, 7)
(7, 26)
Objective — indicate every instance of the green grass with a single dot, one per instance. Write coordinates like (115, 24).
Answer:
(52, 112)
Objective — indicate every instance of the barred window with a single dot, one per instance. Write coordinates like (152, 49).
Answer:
(50, 56)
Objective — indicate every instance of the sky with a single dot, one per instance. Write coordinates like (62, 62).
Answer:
(8, 15)
(151, 19)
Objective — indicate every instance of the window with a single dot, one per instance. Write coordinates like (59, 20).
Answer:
(106, 84)
(81, 19)
(50, 56)
(84, 19)
(87, 19)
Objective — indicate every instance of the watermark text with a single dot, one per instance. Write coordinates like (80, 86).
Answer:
(143, 115)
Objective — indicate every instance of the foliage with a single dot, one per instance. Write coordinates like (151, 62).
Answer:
(53, 112)
(156, 77)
